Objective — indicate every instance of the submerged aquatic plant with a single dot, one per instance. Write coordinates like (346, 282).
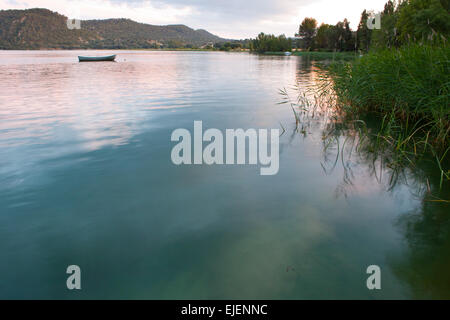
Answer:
(410, 86)
(409, 89)
(393, 142)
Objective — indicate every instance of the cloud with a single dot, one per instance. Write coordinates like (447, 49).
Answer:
(227, 18)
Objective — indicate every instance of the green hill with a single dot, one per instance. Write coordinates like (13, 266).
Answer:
(44, 29)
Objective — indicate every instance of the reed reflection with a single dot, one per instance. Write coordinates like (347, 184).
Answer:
(353, 147)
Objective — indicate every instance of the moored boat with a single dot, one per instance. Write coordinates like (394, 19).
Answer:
(92, 59)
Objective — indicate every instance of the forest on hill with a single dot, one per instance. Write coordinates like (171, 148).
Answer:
(44, 29)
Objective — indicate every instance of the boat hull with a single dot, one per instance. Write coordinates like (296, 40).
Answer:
(94, 59)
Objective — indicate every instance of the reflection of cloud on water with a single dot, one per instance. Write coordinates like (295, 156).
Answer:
(424, 266)
(51, 109)
(266, 258)
(421, 260)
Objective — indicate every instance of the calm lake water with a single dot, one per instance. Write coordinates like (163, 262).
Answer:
(86, 178)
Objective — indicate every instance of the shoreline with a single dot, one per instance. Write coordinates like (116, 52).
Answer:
(122, 49)
(317, 54)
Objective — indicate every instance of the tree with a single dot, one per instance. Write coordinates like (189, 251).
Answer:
(174, 44)
(364, 34)
(387, 36)
(343, 37)
(324, 37)
(307, 31)
(423, 20)
(269, 42)
(349, 40)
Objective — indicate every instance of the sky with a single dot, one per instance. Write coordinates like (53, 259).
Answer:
(232, 19)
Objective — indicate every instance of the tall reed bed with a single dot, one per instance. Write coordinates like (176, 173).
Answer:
(408, 89)
(411, 83)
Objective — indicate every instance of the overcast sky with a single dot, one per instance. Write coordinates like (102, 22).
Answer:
(227, 18)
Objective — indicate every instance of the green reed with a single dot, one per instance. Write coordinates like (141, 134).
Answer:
(393, 144)
(408, 89)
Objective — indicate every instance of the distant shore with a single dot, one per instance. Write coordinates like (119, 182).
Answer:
(125, 49)
(318, 54)
(346, 55)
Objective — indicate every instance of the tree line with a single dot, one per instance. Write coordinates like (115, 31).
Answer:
(270, 43)
(402, 21)
(407, 21)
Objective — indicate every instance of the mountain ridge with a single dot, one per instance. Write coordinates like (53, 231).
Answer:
(41, 28)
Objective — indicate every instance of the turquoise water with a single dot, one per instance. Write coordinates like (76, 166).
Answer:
(86, 178)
